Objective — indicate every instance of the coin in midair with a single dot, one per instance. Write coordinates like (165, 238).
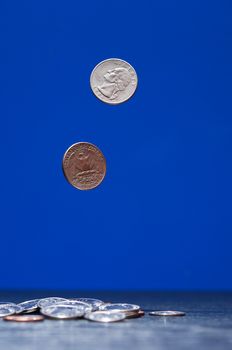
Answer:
(113, 81)
(84, 166)
(167, 313)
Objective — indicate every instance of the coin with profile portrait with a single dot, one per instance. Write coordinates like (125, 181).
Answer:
(113, 81)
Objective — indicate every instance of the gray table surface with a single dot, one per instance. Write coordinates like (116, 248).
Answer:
(207, 324)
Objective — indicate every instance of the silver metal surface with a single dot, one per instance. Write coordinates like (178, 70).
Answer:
(50, 301)
(167, 313)
(113, 81)
(119, 307)
(105, 316)
(29, 305)
(95, 303)
(64, 312)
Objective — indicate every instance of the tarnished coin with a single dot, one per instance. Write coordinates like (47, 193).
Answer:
(95, 303)
(29, 305)
(105, 316)
(84, 166)
(50, 301)
(113, 81)
(167, 313)
(7, 310)
(24, 318)
(63, 312)
(119, 307)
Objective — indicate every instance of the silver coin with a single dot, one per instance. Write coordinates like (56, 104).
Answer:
(167, 313)
(113, 81)
(7, 310)
(119, 307)
(83, 306)
(29, 305)
(3, 303)
(63, 312)
(50, 301)
(94, 303)
(105, 316)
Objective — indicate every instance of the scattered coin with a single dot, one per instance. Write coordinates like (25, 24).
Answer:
(119, 307)
(50, 301)
(29, 305)
(84, 166)
(105, 316)
(7, 310)
(62, 311)
(167, 313)
(24, 318)
(113, 81)
(95, 303)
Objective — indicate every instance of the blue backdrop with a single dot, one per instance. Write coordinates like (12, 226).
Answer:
(162, 217)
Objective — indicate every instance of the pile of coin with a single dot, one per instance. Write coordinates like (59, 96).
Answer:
(65, 309)
(76, 308)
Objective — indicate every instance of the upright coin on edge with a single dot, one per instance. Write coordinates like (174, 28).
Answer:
(84, 166)
(113, 81)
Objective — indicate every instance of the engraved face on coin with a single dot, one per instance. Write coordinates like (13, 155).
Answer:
(119, 307)
(62, 311)
(167, 313)
(50, 301)
(24, 318)
(29, 305)
(105, 316)
(84, 166)
(113, 81)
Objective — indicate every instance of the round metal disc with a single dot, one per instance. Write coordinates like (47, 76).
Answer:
(80, 304)
(7, 310)
(63, 312)
(119, 307)
(94, 303)
(50, 301)
(84, 166)
(24, 318)
(29, 305)
(113, 81)
(167, 313)
(105, 316)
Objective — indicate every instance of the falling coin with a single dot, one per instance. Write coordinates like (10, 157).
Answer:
(84, 166)
(167, 313)
(24, 318)
(105, 316)
(113, 81)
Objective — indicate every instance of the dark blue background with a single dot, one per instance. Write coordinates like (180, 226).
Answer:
(162, 217)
